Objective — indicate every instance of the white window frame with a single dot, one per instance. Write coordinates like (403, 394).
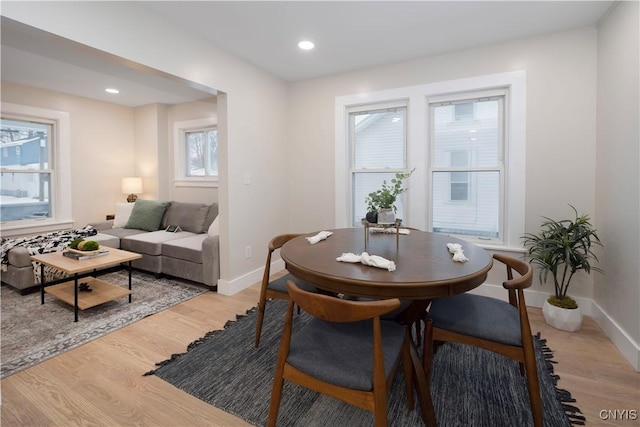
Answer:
(61, 183)
(179, 154)
(402, 104)
(417, 149)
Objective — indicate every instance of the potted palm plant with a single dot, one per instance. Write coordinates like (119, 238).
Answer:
(381, 206)
(563, 248)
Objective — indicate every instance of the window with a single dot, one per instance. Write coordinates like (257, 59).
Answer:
(201, 152)
(378, 145)
(35, 189)
(26, 171)
(466, 166)
(196, 153)
(466, 140)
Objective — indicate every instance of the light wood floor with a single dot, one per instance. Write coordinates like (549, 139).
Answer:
(101, 383)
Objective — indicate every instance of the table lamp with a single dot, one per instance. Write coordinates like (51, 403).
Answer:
(131, 186)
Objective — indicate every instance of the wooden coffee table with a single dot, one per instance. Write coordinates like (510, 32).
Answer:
(68, 290)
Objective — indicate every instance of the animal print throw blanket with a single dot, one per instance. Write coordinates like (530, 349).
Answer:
(42, 244)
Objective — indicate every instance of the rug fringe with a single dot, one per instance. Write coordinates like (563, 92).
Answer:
(199, 341)
(573, 413)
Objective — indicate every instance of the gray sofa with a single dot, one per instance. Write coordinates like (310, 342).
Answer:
(191, 253)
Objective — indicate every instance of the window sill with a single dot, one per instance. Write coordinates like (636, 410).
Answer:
(35, 227)
(196, 183)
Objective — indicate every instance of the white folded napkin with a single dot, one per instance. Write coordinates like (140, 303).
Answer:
(458, 253)
(366, 259)
(318, 237)
(390, 230)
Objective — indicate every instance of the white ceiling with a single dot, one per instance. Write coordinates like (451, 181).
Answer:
(349, 35)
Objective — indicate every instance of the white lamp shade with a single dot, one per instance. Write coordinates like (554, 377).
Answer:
(132, 185)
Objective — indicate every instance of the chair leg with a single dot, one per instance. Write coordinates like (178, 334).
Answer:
(534, 387)
(422, 387)
(276, 396)
(259, 319)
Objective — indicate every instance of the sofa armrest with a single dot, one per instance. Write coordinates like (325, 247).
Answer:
(19, 257)
(102, 225)
(211, 260)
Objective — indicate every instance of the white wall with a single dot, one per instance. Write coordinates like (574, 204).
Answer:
(561, 78)
(284, 140)
(206, 109)
(618, 176)
(563, 72)
(150, 132)
(102, 137)
(253, 132)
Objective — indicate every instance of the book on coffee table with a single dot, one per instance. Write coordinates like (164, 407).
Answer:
(89, 255)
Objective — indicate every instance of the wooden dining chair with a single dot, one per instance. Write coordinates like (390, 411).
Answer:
(492, 324)
(275, 289)
(345, 351)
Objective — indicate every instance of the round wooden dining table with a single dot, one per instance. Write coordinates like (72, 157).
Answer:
(424, 266)
(424, 270)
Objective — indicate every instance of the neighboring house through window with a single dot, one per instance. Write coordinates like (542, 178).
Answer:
(378, 140)
(35, 189)
(465, 139)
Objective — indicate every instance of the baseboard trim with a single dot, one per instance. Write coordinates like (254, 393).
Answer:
(623, 342)
(230, 287)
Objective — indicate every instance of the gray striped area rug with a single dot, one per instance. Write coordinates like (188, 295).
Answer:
(470, 386)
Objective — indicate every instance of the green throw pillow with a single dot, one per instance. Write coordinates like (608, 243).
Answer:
(147, 215)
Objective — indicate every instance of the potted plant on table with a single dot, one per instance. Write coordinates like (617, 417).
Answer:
(562, 248)
(381, 206)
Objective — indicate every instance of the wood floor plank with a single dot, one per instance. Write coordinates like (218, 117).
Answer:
(101, 383)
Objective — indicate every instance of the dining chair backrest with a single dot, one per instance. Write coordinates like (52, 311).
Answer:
(345, 351)
(492, 324)
(274, 289)
(333, 309)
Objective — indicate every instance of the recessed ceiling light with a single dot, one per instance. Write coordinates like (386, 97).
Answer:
(111, 90)
(306, 45)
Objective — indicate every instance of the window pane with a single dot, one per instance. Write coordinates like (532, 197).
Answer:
(25, 196)
(477, 214)
(479, 138)
(195, 147)
(212, 146)
(365, 183)
(25, 145)
(379, 139)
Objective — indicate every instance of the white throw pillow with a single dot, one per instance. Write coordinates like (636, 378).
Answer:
(214, 228)
(123, 212)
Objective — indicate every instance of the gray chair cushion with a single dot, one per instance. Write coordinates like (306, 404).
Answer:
(478, 316)
(280, 284)
(342, 353)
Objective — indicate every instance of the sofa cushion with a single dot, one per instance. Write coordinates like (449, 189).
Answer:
(211, 216)
(121, 233)
(19, 257)
(189, 216)
(107, 240)
(147, 215)
(214, 228)
(150, 243)
(187, 248)
(123, 212)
